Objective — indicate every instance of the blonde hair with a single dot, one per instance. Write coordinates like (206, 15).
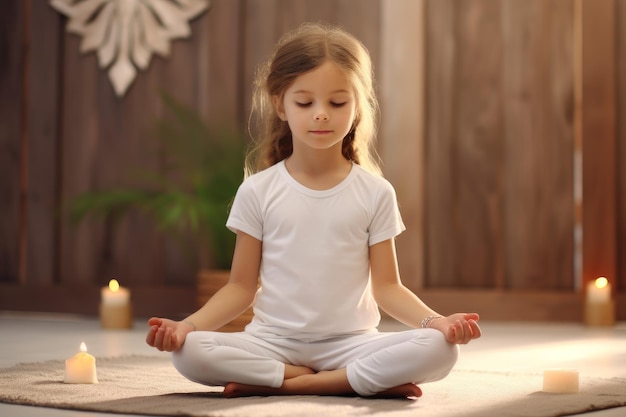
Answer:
(296, 53)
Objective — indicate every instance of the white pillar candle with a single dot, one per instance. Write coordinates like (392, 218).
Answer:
(599, 291)
(114, 294)
(599, 303)
(81, 368)
(115, 307)
(560, 381)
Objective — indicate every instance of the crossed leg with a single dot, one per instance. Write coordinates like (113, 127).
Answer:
(304, 381)
(382, 365)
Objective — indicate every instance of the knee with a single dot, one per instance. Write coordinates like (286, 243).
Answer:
(441, 356)
(190, 360)
(442, 352)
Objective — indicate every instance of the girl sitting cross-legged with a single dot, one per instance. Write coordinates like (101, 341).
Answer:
(316, 221)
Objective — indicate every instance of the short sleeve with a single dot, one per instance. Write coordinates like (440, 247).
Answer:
(386, 220)
(245, 213)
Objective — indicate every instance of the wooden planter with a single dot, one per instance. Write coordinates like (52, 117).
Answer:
(209, 282)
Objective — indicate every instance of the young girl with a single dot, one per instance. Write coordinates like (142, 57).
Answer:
(316, 222)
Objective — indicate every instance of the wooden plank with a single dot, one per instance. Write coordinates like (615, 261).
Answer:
(78, 250)
(292, 12)
(44, 147)
(620, 37)
(364, 22)
(11, 99)
(440, 57)
(479, 145)
(260, 33)
(464, 148)
(219, 65)
(401, 75)
(599, 139)
(538, 150)
(131, 251)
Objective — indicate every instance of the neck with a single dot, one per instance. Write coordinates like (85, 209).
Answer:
(317, 161)
(318, 169)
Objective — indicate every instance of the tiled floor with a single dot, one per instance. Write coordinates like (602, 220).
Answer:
(597, 352)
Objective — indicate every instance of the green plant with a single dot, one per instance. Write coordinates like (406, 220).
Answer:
(190, 195)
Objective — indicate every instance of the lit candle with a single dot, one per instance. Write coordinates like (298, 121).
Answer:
(115, 307)
(560, 381)
(599, 304)
(81, 368)
(115, 294)
(599, 291)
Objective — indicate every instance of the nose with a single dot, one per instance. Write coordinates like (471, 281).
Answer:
(321, 115)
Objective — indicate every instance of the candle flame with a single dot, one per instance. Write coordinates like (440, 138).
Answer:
(83, 347)
(114, 285)
(601, 282)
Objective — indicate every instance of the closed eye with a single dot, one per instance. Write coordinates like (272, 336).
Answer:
(303, 104)
(338, 104)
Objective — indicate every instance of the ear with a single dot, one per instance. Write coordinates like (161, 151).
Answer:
(279, 108)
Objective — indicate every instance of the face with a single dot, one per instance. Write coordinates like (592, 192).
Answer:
(319, 108)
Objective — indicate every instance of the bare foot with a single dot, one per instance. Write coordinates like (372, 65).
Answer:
(235, 390)
(401, 391)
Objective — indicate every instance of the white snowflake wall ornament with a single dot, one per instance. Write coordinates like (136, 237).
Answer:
(125, 33)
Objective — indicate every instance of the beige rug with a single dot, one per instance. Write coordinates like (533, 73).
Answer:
(149, 385)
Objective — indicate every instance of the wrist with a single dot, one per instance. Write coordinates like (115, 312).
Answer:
(426, 322)
(190, 324)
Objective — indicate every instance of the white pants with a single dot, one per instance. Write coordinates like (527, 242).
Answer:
(374, 362)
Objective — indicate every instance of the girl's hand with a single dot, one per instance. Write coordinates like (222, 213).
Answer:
(167, 335)
(458, 328)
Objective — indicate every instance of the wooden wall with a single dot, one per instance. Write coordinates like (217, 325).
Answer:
(522, 152)
(482, 110)
(500, 140)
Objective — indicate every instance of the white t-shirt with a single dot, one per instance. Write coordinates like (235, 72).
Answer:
(315, 281)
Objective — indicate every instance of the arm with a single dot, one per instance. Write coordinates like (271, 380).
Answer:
(228, 303)
(403, 305)
(238, 294)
